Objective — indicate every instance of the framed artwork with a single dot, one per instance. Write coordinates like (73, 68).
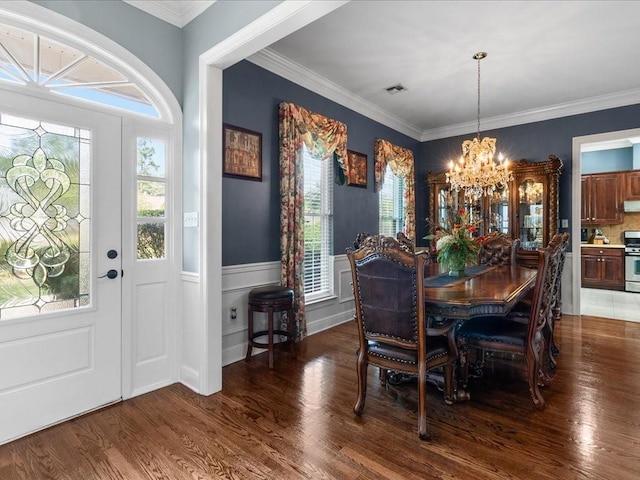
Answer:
(242, 153)
(357, 166)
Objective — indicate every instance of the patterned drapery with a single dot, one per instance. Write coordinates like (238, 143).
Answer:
(324, 138)
(402, 164)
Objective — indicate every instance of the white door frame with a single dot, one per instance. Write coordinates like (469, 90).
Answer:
(282, 20)
(576, 172)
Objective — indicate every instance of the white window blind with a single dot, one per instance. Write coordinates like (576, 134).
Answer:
(318, 226)
(391, 200)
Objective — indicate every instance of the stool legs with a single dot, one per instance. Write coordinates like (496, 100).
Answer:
(291, 327)
(270, 322)
(271, 331)
(250, 333)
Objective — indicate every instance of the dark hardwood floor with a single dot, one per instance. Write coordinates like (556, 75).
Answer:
(297, 422)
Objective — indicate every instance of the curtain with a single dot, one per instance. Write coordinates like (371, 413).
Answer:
(401, 162)
(325, 138)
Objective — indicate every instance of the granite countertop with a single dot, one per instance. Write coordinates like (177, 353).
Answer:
(610, 245)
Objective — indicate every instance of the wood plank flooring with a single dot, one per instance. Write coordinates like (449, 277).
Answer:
(296, 422)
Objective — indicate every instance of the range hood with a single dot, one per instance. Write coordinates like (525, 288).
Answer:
(632, 206)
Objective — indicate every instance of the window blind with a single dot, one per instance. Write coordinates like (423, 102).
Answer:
(318, 225)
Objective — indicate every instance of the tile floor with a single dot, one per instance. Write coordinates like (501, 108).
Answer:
(610, 304)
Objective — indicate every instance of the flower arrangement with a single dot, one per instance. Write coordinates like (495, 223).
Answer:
(455, 244)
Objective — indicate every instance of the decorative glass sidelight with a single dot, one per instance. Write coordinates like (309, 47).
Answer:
(44, 217)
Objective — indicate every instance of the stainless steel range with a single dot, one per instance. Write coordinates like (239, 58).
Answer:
(632, 260)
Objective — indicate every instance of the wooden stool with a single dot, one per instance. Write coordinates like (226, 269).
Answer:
(270, 299)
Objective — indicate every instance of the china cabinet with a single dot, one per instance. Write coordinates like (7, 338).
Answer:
(527, 209)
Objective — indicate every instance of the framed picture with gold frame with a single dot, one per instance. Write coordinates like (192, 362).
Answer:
(357, 166)
(242, 153)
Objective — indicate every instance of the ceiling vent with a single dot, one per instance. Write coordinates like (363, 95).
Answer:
(399, 88)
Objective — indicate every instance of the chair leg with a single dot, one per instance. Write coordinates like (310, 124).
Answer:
(533, 372)
(423, 433)
(383, 375)
(361, 370)
(448, 384)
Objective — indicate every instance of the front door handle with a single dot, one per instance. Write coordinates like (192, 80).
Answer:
(110, 274)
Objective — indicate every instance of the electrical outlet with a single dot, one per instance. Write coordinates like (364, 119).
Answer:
(565, 223)
(233, 313)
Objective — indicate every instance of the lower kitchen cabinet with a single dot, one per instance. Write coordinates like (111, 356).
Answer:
(603, 268)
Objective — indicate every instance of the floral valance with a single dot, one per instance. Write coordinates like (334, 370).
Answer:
(323, 136)
(401, 161)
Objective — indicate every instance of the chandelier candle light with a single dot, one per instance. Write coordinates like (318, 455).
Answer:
(476, 172)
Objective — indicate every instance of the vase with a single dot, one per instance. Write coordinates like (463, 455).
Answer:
(456, 273)
(456, 267)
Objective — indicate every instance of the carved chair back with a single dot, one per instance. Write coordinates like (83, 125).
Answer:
(498, 249)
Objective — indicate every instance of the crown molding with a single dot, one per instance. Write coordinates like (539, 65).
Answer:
(587, 105)
(282, 66)
(176, 12)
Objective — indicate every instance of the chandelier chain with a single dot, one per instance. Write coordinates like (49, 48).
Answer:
(479, 57)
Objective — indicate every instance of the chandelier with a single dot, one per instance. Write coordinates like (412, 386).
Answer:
(476, 172)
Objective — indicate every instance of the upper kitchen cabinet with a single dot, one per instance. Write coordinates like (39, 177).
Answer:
(527, 209)
(632, 185)
(602, 198)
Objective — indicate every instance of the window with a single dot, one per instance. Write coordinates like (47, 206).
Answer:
(33, 59)
(391, 199)
(318, 226)
(151, 198)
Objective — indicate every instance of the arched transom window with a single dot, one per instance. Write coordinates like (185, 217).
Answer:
(28, 58)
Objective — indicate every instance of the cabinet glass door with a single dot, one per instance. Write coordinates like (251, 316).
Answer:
(498, 220)
(531, 214)
(447, 201)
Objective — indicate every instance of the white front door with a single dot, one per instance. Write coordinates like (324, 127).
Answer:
(60, 236)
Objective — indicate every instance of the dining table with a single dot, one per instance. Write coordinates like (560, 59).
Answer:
(483, 291)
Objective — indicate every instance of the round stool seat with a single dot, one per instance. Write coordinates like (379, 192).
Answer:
(271, 294)
(270, 299)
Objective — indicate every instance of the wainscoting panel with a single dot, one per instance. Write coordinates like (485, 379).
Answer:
(191, 330)
(238, 280)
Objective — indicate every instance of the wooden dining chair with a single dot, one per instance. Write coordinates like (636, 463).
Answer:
(498, 249)
(388, 284)
(505, 335)
(522, 310)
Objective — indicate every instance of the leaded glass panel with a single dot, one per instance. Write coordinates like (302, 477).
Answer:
(44, 217)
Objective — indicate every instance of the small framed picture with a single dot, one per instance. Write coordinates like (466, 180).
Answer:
(357, 166)
(242, 153)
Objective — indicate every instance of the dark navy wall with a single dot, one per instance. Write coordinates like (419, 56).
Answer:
(533, 141)
(251, 210)
(612, 160)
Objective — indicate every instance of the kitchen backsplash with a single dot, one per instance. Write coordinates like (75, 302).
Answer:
(615, 232)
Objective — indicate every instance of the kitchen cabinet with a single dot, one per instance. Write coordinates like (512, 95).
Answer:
(632, 184)
(602, 198)
(603, 268)
(527, 209)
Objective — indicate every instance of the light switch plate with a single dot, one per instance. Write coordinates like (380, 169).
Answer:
(565, 223)
(190, 219)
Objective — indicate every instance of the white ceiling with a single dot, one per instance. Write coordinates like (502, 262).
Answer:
(545, 59)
